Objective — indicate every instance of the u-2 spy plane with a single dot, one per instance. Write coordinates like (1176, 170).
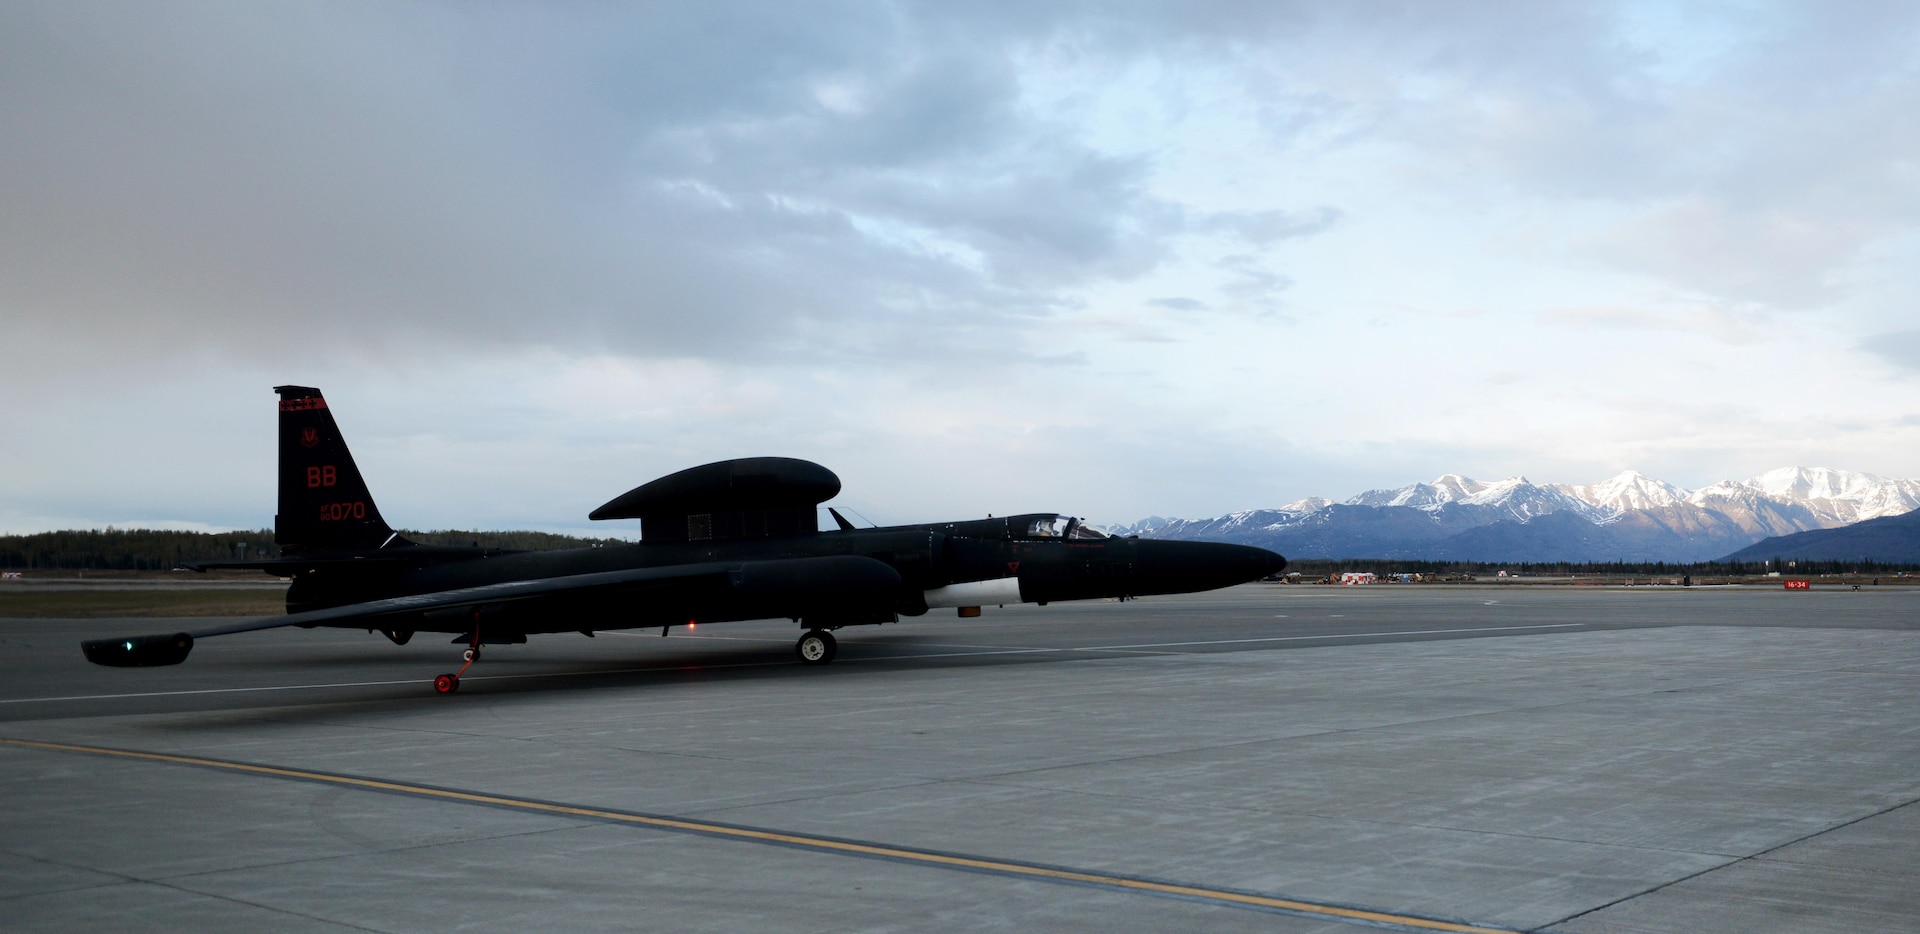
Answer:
(731, 540)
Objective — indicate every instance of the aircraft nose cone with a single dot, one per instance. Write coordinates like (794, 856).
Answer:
(1185, 567)
(1263, 563)
(1246, 563)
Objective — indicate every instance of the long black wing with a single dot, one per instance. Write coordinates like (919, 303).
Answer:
(799, 577)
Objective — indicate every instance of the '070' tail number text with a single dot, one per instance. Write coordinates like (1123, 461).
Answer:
(335, 512)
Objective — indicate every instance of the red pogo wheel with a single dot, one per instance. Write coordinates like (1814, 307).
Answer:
(447, 684)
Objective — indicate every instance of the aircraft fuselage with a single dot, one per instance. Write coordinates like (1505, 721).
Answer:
(1006, 565)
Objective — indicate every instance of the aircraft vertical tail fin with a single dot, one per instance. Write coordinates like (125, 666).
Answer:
(324, 503)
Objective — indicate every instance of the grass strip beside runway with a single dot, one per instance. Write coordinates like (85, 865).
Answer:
(148, 602)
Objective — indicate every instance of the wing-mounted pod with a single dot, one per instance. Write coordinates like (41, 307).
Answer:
(139, 651)
(749, 497)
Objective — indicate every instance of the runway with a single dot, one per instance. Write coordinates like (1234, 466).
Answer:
(1263, 758)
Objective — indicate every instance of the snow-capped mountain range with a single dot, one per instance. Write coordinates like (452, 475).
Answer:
(1630, 517)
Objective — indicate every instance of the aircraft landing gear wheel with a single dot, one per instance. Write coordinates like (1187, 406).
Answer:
(446, 684)
(470, 655)
(816, 647)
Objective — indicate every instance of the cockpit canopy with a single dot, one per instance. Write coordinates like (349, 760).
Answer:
(1061, 527)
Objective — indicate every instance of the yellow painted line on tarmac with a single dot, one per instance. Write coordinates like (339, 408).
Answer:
(1228, 897)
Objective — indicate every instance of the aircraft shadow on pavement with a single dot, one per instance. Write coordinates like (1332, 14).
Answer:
(532, 671)
(502, 677)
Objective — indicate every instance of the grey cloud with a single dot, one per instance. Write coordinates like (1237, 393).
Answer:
(1900, 348)
(1774, 258)
(668, 180)
(1179, 304)
(1265, 227)
(659, 182)
(1254, 281)
(1759, 152)
(677, 179)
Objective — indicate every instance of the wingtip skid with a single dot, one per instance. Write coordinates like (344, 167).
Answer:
(139, 651)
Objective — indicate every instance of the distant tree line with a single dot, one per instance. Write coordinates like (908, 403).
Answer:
(1320, 567)
(113, 549)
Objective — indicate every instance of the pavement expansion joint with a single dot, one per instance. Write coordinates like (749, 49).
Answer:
(1751, 857)
(364, 852)
(264, 907)
(91, 887)
(1062, 875)
(990, 782)
(121, 879)
(118, 878)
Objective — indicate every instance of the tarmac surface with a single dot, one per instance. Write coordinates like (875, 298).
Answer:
(1271, 758)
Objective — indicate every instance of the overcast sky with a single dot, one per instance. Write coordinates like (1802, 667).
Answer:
(1111, 259)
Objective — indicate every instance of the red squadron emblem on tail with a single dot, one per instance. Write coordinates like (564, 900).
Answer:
(310, 436)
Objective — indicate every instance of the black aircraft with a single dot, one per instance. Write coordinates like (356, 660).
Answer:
(733, 540)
